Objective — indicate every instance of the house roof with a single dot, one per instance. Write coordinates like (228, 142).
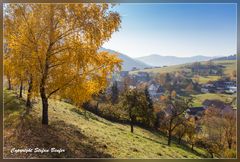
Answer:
(160, 89)
(216, 103)
(195, 110)
(153, 87)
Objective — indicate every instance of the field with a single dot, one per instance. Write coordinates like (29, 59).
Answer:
(82, 134)
(205, 79)
(199, 98)
(230, 66)
(168, 69)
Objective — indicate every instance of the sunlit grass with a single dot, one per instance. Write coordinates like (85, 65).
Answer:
(230, 66)
(108, 138)
(205, 79)
(199, 98)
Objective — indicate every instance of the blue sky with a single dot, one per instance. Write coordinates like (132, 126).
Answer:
(175, 29)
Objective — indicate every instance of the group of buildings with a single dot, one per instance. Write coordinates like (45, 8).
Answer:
(220, 86)
(156, 90)
(136, 80)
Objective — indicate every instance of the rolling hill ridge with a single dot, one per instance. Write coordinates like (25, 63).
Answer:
(128, 62)
(158, 60)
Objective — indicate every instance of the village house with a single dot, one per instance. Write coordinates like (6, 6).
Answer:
(208, 88)
(219, 87)
(139, 77)
(195, 112)
(155, 90)
(224, 84)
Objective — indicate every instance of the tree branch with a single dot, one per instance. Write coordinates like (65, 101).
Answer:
(64, 85)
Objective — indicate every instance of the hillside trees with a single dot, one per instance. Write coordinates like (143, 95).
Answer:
(134, 102)
(230, 128)
(220, 130)
(115, 93)
(174, 113)
(150, 118)
(100, 97)
(8, 72)
(180, 132)
(61, 43)
(191, 132)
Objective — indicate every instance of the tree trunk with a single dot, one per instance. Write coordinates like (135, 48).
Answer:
(9, 84)
(44, 97)
(85, 113)
(131, 128)
(229, 145)
(169, 137)
(96, 108)
(29, 95)
(179, 139)
(21, 89)
(212, 155)
(170, 133)
(131, 123)
(44, 107)
(192, 146)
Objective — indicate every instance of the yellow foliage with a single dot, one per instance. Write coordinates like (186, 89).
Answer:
(58, 45)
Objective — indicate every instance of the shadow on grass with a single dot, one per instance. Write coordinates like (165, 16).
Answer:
(28, 132)
(12, 103)
(32, 134)
(184, 145)
(88, 115)
(150, 139)
(13, 109)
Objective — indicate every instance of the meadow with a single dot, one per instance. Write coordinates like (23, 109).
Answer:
(82, 134)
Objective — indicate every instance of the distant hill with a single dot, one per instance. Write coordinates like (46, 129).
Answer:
(158, 60)
(128, 62)
(231, 57)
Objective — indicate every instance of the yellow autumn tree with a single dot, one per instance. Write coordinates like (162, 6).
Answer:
(8, 72)
(62, 43)
(18, 57)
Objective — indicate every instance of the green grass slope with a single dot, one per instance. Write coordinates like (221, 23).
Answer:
(81, 133)
(200, 98)
(167, 69)
(230, 66)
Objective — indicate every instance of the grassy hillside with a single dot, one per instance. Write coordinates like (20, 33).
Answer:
(167, 69)
(128, 62)
(81, 133)
(230, 65)
(205, 79)
(199, 98)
